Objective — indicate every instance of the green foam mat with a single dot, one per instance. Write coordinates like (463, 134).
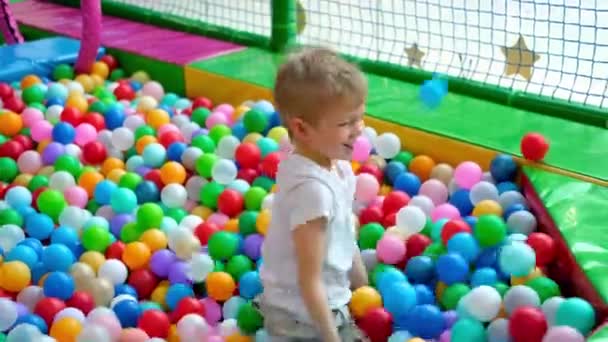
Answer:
(575, 147)
(580, 214)
(599, 336)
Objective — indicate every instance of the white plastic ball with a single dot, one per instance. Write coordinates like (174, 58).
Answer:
(550, 307)
(73, 217)
(228, 327)
(511, 197)
(370, 133)
(191, 222)
(8, 314)
(200, 266)
(30, 296)
(53, 113)
(133, 122)
(178, 235)
(520, 295)
(231, 307)
(410, 220)
(498, 331)
(387, 145)
(522, 222)
(180, 120)
(190, 156)
(192, 327)
(105, 137)
(70, 312)
(23, 332)
(114, 270)
(93, 333)
(193, 187)
(123, 138)
(370, 260)
(73, 150)
(422, 202)
(483, 191)
(10, 236)
(174, 195)
(268, 201)
(224, 171)
(61, 180)
(226, 147)
(483, 303)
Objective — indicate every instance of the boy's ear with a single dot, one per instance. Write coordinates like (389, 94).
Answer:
(298, 127)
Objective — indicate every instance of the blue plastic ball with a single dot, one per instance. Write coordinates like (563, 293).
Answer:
(506, 186)
(127, 311)
(471, 221)
(34, 244)
(64, 132)
(125, 289)
(238, 130)
(461, 200)
(114, 118)
(250, 285)
(33, 319)
(392, 170)
(147, 191)
(399, 298)
(503, 168)
(103, 191)
(65, 235)
(487, 258)
(388, 277)
(420, 269)
(57, 257)
(424, 294)
(408, 183)
(39, 226)
(22, 253)
(464, 244)
(431, 93)
(59, 285)
(427, 321)
(176, 292)
(484, 276)
(18, 197)
(452, 268)
(175, 151)
(274, 120)
(38, 271)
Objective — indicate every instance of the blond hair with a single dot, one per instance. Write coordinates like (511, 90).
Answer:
(315, 78)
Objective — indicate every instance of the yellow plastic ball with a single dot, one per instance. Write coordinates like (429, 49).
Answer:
(487, 207)
(237, 337)
(146, 104)
(142, 142)
(86, 81)
(232, 226)
(385, 189)
(101, 69)
(239, 111)
(65, 329)
(78, 102)
(140, 76)
(14, 276)
(97, 80)
(535, 273)
(202, 212)
(159, 294)
(93, 259)
(416, 339)
(156, 118)
(252, 138)
(363, 299)
(115, 175)
(173, 335)
(277, 133)
(439, 289)
(263, 221)
(23, 179)
(112, 164)
(155, 239)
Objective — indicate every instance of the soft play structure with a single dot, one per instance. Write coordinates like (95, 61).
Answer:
(455, 81)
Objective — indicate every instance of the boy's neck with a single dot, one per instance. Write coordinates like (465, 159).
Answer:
(315, 156)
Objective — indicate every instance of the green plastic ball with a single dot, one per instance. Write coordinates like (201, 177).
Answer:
(379, 269)
(254, 198)
(144, 130)
(204, 143)
(32, 94)
(63, 72)
(96, 239)
(130, 180)
(97, 107)
(37, 182)
(544, 287)
(8, 169)
(51, 202)
(219, 266)
(149, 215)
(434, 250)
(239, 265)
(68, 163)
(490, 230)
(502, 288)
(209, 194)
(404, 157)
(117, 74)
(204, 164)
(369, 235)
(130, 232)
(200, 115)
(3, 139)
(223, 245)
(10, 216)
(468, 330)
(176, 213)
(255, 121)
(247, 221)
(264, 183)
(217, 132)
(38, 106)
(249, 319)
(452, 295)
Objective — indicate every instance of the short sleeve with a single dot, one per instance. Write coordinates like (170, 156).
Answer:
(309, 201)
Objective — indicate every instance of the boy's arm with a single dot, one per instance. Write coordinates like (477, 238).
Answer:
(358, 274)
(310, 242)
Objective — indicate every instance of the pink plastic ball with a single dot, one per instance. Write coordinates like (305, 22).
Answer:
(218, 218)
(133, 335)
(189, 205)
(41, 130)
(85, 133)
(110, 324)
(213, 311)
(390, 249)
(361, 149)
(216, 118)
(377, 202)
(153, 89)
(467, 174)
(563, 333)
(215, 338)
(31, 115)
(76, 196)
(367, 187)
(106, 212)
(29, 162)
(225, 108)
(435, 190)
(446, 211)
(167, 128)
(445, 336)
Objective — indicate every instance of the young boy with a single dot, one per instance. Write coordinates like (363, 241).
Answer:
(311, 258)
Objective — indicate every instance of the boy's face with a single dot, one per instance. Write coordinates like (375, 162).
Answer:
(332, 137)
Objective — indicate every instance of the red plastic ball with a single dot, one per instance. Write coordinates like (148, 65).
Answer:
(48, 307)
(143, 281)
(230, 202)
(82, 301)
(124, 92)
(110, 61)
(373, 170)
(25, 141)
(72, 115)
(170, 137)
(94, 152)
(453, 227)
(534, 146)
(544, 247)
(35, 195)
(248, 155)
(389, 220)
(527, 324)
(416, 244)
(371, 214)
(394, 201)
(154, 177)
(187, 305)
(377, 324)
(248, 175)
(155, 323)
(202, 101)
(270, 164)
(3, 190)
(12, 149)
(14, 104)
(115, 250)
(204, 231)
(96, 120)
(6, 91)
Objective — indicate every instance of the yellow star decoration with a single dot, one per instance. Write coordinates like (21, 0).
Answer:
(301, 17)
(519, 59)
(414, 55)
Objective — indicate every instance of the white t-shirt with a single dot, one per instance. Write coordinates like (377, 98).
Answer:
(307, 191)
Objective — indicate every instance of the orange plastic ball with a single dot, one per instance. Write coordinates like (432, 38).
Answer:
(112, 164)
(355, 166)
(65, 329)
(487, 207)
(173, 335)
(220, 286)
(363, 299)
(42, 145)
(78, 102)
(136, 255)
(237, 337)
(29, 80)
(93, 259)
(422, 166)
(385, 189)
(232, 225)
(157, 118)
(155, 239)
(115, 175)
(88, 180)
(172, 172)
(143, 142)
(11, 123)
(101, 69)
(14, 276)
